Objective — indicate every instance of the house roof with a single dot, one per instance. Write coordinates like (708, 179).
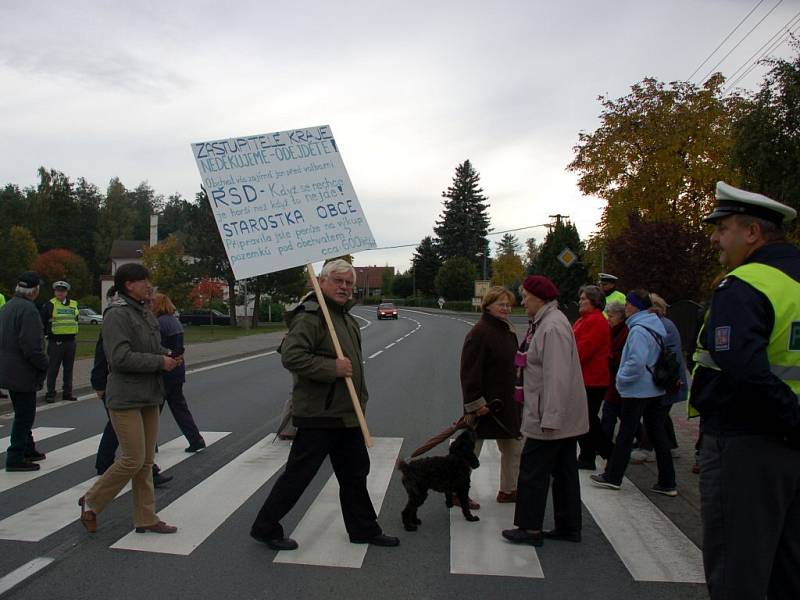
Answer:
(128, 248)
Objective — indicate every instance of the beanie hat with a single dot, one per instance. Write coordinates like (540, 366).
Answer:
(541, 287)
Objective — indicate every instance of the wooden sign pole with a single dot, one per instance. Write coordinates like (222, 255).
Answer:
(339, 354)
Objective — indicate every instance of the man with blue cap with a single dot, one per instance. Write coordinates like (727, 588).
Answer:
(745, 387)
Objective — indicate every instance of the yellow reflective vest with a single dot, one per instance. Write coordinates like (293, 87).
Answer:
(783, 348)
(64, 317)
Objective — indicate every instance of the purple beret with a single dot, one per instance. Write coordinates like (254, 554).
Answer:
(541, 287)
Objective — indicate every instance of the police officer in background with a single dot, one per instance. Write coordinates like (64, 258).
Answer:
(608, 283)
(746, 385)
(60, 317)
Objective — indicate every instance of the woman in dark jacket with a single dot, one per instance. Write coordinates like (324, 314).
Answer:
(172, 339)
(488, 375)
(612, 402)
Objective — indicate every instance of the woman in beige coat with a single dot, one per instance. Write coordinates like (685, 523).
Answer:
(553, 416)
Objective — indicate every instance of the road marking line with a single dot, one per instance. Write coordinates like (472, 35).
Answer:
(649, 544)
(56, 512)
(55, 460)
(389, 346)
(376, 354)
(230, 362)
(39, 434)
(321, 534)
(398, 340)
(478, 548)
(20, 574)
(201, 510)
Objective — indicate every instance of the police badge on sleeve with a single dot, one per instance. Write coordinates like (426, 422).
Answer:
(722, 338)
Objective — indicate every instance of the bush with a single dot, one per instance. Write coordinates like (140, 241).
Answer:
(458, 305)
(273, 310)
(92, 302)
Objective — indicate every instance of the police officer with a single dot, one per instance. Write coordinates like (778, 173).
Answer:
(608, 283)
(746, 385)
(60, 317)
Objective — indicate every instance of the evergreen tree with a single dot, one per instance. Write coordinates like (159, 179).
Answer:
(19, 252)
(531, 252)
(464, 222)
(508, 245)
(456, 279)
(426, 263)
(563, 235)
(115, 222)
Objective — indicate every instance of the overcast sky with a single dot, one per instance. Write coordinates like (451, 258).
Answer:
(410, 90)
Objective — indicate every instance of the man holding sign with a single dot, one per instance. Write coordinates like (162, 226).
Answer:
(322, 411)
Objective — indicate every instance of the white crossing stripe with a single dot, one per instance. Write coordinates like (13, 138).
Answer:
(45, 518)
(376, 354)
(55, 460)
(478, 548)
(20, 574)
(321, 534)
(206, 506)
(649, 544)
(39, 434)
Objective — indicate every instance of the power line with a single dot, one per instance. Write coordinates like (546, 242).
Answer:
(714, 68)
(772, 44)
(700, 66)
(488, 234)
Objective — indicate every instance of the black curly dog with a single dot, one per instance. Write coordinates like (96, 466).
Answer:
(447, 474)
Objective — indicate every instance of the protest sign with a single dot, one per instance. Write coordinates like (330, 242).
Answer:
(281, 199)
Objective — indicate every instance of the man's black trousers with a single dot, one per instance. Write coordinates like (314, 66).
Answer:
(350, 463)
(60, 351)
(750, 504)
(22, 444)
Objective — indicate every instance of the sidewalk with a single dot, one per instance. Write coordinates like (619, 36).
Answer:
(197, 355)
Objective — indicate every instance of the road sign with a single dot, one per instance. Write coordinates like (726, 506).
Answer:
(567, 257)
(441, 302)
(481, 287)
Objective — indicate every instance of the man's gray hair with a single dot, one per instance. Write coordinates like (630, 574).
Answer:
(337, 266)
(29, 293)
(616, 308)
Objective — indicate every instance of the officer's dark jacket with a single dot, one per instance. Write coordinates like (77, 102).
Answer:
(319, 398)
(744, 397)
(23, 362)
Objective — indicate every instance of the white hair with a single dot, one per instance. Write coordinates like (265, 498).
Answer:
(29, 293)
(616, 308)
(337, 266)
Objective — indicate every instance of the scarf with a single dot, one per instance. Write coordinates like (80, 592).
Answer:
(519, 361)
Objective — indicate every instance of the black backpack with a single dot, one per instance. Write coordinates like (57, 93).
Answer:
(666, 371)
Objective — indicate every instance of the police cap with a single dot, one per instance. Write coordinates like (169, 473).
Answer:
(61, 284)
(733, 201)
(606, 278)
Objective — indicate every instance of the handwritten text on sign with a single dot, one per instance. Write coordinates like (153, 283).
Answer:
(281, 199)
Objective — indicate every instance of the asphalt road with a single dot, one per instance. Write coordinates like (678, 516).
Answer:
(412, 370)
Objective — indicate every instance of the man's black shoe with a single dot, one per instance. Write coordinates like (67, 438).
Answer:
(281, 543)
(567, 536)
(378, 540)
(69, 398)
(49, 398)
(35, 456)
(159, 479)
(520, 536)
(23, 466)
(3, 395)
(197, 447)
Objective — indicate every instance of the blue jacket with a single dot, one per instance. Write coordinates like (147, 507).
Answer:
(641, 350)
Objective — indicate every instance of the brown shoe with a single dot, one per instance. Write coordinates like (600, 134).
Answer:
(472, 504)
(503, 497)
(88, 517)
(159, 527)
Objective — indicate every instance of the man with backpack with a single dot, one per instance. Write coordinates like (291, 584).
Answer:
(641, 380)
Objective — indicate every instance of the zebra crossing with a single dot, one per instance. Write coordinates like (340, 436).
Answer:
(649, 545)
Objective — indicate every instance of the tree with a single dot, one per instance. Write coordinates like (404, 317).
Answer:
(508, 271)
(54, 212)
(60, 264)
(143, 202)
(403, 284)
(88, 200)
(562, 235)
(464, 223)
(531, 252)
(169, 271)
(669, 258)
(18, 255)
(767, 136)
(508, 245)
(386, 282)
(456, 279)
(115, 221)
(659, 152)
(281, 286)
(205, 292)
(426, 264)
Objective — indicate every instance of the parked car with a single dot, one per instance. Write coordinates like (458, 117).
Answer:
(204, 316)
(387, 310)
(87, 315)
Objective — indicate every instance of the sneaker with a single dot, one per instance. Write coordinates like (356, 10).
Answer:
(666, 491)
(601, 481)
(640, 456)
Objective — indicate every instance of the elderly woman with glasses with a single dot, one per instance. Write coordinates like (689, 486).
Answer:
(487, 383)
